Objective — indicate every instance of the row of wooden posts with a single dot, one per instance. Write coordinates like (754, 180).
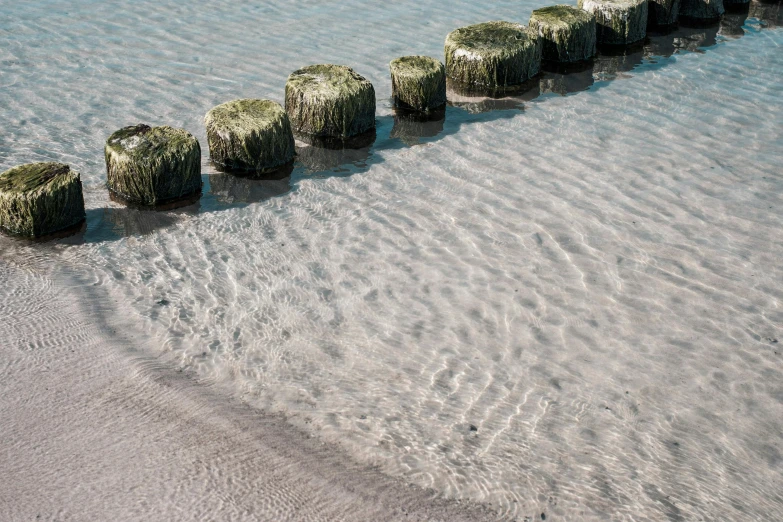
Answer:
(328, 103)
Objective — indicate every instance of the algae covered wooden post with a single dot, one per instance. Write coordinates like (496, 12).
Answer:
(663, 13)
(618, 22)
(701, 11)
(329, 101)
(37, 199)
(418, 83)
(153, 165)
(249, 135)
(492, 54)
(567, 33)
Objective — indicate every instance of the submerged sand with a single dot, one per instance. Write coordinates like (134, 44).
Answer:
(92, 429)
(591, 281)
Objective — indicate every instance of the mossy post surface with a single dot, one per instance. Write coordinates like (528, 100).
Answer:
(250, 135)
(735, 5)
(492, 54)
(38, 199)
(701, 11)
(567, 33)
(153, 165)
(418, 83)
(329, 101)
(663, 13)
(618, 22)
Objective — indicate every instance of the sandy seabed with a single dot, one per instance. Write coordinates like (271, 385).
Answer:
(565, 302)
(93, 430)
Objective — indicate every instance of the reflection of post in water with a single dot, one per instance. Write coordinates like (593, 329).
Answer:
(71, 235)
(479, 99)
(186, 203)
(333, 155)
(230, 189)
(133, 222)
(736, 6)
(109, 224)
(769, 13)
(695, 37)
(683, 38)
(614, 61)
(566, 78)
(411, 126)
(277, 173)
(733, 22)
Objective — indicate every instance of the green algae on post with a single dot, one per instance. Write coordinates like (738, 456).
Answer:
(567, 33)
(701, 11)
(153, 165)
(37, 199)
(329, 101)
(618, 22)
(418, 83)
(663, 13)
(492, 54)
(249, 135)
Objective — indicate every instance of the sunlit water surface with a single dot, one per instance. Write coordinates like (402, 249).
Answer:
(566, 302)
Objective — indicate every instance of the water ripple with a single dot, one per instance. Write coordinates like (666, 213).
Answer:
(570, 309)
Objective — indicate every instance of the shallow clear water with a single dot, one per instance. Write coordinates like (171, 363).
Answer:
(567, 305)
